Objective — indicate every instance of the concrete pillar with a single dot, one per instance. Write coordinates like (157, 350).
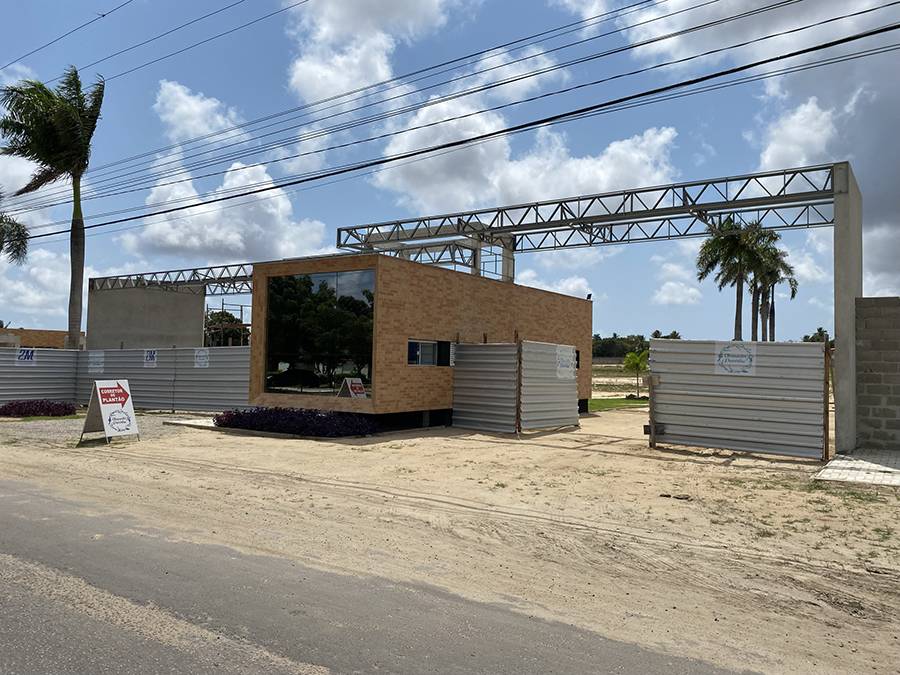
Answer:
(476, 259)
(508, 260)
(847, 287)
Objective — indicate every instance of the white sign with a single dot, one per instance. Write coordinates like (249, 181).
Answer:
(452, 353)
(26, 357)
(96, 361)
(352, 387)
(735, 358)
(149, 358)
(111, 410)
(201, 358)
(565, 362)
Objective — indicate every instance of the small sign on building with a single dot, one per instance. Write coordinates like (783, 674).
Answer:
(150, 356)
(352, 387)
(111, 410)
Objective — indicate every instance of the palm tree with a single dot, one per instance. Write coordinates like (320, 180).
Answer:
(730, 248)
(765, 251)
(53, 129)
(13, 239)
(779, 271)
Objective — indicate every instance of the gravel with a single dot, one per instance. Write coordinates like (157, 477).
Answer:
(52, 431)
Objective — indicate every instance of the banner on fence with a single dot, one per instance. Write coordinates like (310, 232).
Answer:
(111, 410)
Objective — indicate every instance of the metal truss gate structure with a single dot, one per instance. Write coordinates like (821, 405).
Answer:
(485, 241)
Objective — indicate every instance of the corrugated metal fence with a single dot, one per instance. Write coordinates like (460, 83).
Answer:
(210, 379)
(508, 388)
(747, 396)
(549, 394)
(485, 379)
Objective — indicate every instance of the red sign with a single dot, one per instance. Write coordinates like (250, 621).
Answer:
(356, 386)
(113, 395)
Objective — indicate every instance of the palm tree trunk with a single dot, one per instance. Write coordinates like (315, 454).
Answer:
(754, 313)
(76, 257)
(764, 312)
(739, 308)
(772, 318)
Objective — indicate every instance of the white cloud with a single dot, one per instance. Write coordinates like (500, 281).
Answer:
(799, 137)
(187, 115)
(485, 174)
(15, 72)
(574, 285)
(676, 293)
(881, 251)
(674, 272)
(806, 269)
(36, 294)
(578, 258)
(257, 229)
(323, 70)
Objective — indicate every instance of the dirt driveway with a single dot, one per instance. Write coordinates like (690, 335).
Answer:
(739, 560)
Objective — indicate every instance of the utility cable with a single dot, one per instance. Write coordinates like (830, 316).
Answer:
(510, 130)
(65, 35)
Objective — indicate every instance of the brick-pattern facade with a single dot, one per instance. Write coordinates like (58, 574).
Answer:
(415, 301)
(44, 339)
(878, 373)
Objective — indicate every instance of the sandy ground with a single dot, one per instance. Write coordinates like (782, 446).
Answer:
(740, 560)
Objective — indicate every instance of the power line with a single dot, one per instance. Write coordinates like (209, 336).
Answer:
(41, 201)
(135, 184)
(65, 35)
(523, 101)
(628, 106)
(515, 129)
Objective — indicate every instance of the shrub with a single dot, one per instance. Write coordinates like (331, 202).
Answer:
(37, 408)
(297, 421)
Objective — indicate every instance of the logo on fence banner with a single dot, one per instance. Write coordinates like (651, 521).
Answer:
(735, 358)
(149, 358)
(201, 358)
(96, 361)
(565, 362)
(26, 357)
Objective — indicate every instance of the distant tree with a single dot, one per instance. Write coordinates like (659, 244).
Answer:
(53, 129)
(818, 336)
(618, 346)
(13, 238)
(674, 335)
(222, 327)
(636, 363)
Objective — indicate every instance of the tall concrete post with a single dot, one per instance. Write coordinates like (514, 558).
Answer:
(847, 287)
(508, 260)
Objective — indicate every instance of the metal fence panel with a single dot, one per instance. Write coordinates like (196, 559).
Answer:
(212, 379)
(549, 386)
(38, 374)
(746, 396)
(484, 387)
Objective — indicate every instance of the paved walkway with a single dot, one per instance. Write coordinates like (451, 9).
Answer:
(876, 467)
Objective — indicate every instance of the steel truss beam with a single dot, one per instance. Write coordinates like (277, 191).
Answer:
(238, 279)
(794, 198)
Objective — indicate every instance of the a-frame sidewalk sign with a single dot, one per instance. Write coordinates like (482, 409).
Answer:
(111, 410)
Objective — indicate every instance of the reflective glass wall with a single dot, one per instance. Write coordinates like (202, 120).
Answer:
(319, 331)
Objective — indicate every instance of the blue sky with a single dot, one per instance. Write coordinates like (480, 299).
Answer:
(323, 48)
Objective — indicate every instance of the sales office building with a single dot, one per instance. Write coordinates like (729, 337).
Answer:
(394, 324)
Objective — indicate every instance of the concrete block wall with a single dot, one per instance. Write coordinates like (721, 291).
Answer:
(878, 373)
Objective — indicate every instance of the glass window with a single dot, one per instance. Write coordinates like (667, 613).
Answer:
(319, 331)
(428, 353)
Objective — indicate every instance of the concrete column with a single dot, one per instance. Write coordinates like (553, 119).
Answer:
(476, 260)
(508, 261)
(847, 287)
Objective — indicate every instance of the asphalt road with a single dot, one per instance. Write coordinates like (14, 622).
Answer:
(94, 594)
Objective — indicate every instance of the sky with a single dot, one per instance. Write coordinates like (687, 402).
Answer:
(213, 97)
